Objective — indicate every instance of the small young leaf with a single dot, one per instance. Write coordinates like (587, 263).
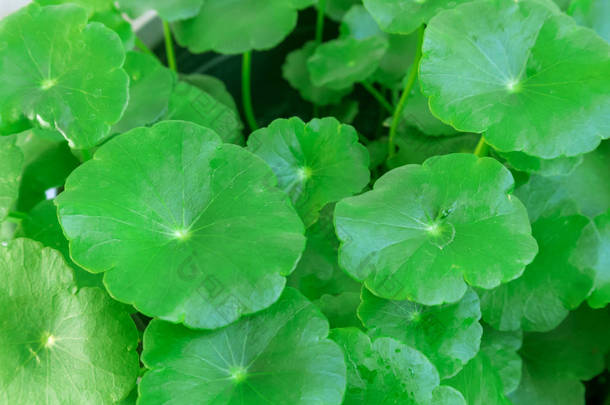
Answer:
(449, 335)
(11, 162)
(425, 232)
(278, 356)
(521, 72)
(316, 163)
(551, 285)
(60, 345)
(63, 73)
(175, 211)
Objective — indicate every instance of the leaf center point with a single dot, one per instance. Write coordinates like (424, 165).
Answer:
(304, 173)
(46, 84)
(513, 86)
(182, 234)
(238, 374)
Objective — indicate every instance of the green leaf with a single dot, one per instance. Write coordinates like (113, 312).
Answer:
(60, 345)
(63, 73)
(150, 87)
(340, 63)
(405, 16)
(449, 335)
(527, 76)
(545, 167)
(445, 395)
(295, 72)
(42, 225)
(593, 253)
(417, 113)
(168, 10)
(551, 285)
(340, 309)
(336, 9)
(278, 356)
(415, 147)
(237, 26)
(358, 23)
(189, 103)
(396, 61)
(479, 382)
(214, 87)
(594, 14)
(92, 6)
(425, 232)
(501, 350)
(540, 389)
(384, 371)
(316, 163)
(168, 206)
(115, 21)
(11, 162)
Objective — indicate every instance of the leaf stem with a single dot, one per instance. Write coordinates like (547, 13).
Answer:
(142, 46)
(320, 21)
(169, 47)
(482, 147)
(402, 102)
(246, 94)
(378, 96)
(16, 216)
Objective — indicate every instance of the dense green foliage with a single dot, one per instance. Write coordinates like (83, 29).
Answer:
(406, 204)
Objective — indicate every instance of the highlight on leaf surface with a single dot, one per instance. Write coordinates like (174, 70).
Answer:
(277, 356)
(425, 232)
(63, 73)
(526, 75)
(316, 163)
(387, 371)
(448, 335)
(551, 286)
(60, 345)
(164, 208)
(11, 163)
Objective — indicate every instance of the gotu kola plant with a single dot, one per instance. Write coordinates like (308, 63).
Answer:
(416, 210)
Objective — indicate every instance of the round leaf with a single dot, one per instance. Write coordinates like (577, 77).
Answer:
(528, 77)
(546, 167)
(92, 6)
(316, 163)
(237, 26)
(426, 231)
(173, 210)
(114, 20)
(449, 335)
(11, 162)
(214, 87)
(385, 371)
(167, 10)
(501, 350)
(189, 103)
(278, 356)
(295, 71)
(336, 9)
(551, 285)
(62, 73)
(60, 346)
(405, 16)
(417, 113)
(594, 14)
(150, 87)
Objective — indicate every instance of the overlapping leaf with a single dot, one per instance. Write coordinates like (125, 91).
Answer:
(63, 73)
(426, 231)
(11, 162)
(165, 208)
(60, 346)
(278, 356)
(316, 163)
(594, 14)
(167, 10)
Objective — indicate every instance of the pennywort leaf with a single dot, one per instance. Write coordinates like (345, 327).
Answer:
(11, 161)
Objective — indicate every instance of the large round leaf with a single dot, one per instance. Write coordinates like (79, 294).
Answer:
(425, 232)
(529, 77)
(501, 350)
(197, 225)
(551, 285)
(150, 87)
(278, 356)
(11, 162)
(449, 335)
(59, 346)
(167, 10)
(237, 26)
(386, 371)
(189, 103)
(404, 16)
(316, 163)
(63, 73)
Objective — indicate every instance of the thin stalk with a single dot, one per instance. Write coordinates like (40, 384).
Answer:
(316, 111)
(402, 102)
(482, 147)
(320, 21)
(169, 47)
(246, 94)
(142, 46)
(378, 96)
(16, 216)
